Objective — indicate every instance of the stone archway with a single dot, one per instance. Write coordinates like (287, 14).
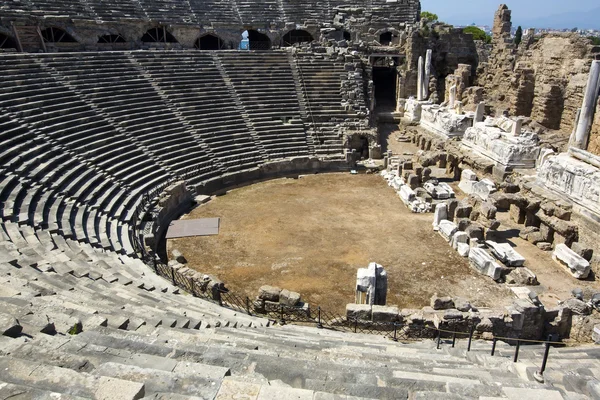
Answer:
(296, 36)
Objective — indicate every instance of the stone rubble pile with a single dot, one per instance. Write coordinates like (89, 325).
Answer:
(405, 188)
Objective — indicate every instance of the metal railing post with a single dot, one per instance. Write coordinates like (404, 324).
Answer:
(355, 325)
(193, 290)
(319, 324)
(439, 339)
(471, 331)
(453, 338)
(494, 346)
(248, 305)
(395, 339)
(173, 276)
(539, 375)
(282, 319)
(517, 351)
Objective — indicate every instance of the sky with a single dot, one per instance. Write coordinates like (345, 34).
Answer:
(481, 12)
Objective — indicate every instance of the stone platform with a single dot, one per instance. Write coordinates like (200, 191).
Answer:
(442, 121)
(501, 141)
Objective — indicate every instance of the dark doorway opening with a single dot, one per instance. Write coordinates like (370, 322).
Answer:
(385, 39)
(7, 42)
(158, 35)
(57, 35)
(385, 78)
(111, 39)
(297, 36)
(347, 35)
(258, 41)
(209, 42)
(361, 145)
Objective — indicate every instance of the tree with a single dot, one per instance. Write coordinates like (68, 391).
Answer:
(478, 34)
(431, 17)
(574, 29)
(595, 40)
(519, 35)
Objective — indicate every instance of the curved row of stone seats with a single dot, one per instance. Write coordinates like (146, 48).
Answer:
(321, 82)
(168, 11)
(307, 11)
(70, 280)
(259, 12)
(117, 87)
(214, 12)
(193, 84)
(47, 187)
(61, 119)
(264, 83)
(116, 10)
(278, 362)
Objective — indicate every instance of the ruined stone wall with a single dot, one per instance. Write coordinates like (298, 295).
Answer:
(543, 78)
(450, 46)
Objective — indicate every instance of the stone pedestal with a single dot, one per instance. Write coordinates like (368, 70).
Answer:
(444, 121)
(413, 109)
(494, 140)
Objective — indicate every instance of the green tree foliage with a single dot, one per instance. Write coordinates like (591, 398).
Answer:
(595, 40)
(519, 36)
(477, 33)
(429, 16)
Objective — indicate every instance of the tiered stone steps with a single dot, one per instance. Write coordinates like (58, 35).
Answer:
(265, 85)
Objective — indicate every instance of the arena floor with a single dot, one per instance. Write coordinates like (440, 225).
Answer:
(311, 234)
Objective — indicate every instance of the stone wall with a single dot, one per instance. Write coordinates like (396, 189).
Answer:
(543, 78)
(450, 46)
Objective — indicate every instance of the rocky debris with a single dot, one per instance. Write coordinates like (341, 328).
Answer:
(596, 337)
(447, 229)
(441, 303)
(484, 263)
(453, 314)
(582, 251)
(522, 276)
(475, 231)
(361, 312)
(488, 210)
(178, 256)
(290, 299)
(544, 246)
(269, 293)
(577, 306)
(506, 254)
(462, 304)
(578, 266)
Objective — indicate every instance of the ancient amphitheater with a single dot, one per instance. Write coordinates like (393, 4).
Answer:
(119, 117)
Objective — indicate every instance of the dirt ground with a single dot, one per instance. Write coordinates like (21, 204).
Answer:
(311, 234)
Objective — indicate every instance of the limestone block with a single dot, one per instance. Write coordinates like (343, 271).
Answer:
(453, 314)
(413, 181)
(178, 256)
(577, 306)
(506, 254)
(447, 229)
(475, 231)
(578, 266)
(407, 194)
(440, 214)
(522, 276)
(596, 334)
(458, 238)
(444, 122)
(269, 293)
(463, 211)
(484, 188)
(463, 249)
(462, 304)
(385, 314)
(358, 311)
(118, 389)
(441, 303)
(582, 251)
(484, 263)
(452, 205)
(488, 210)
(288, 298)
(9, 326)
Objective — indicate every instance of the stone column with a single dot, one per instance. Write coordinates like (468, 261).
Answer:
(582, 131)
(427, 75)
(479, 112)
(452, 101)
(420, 80)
